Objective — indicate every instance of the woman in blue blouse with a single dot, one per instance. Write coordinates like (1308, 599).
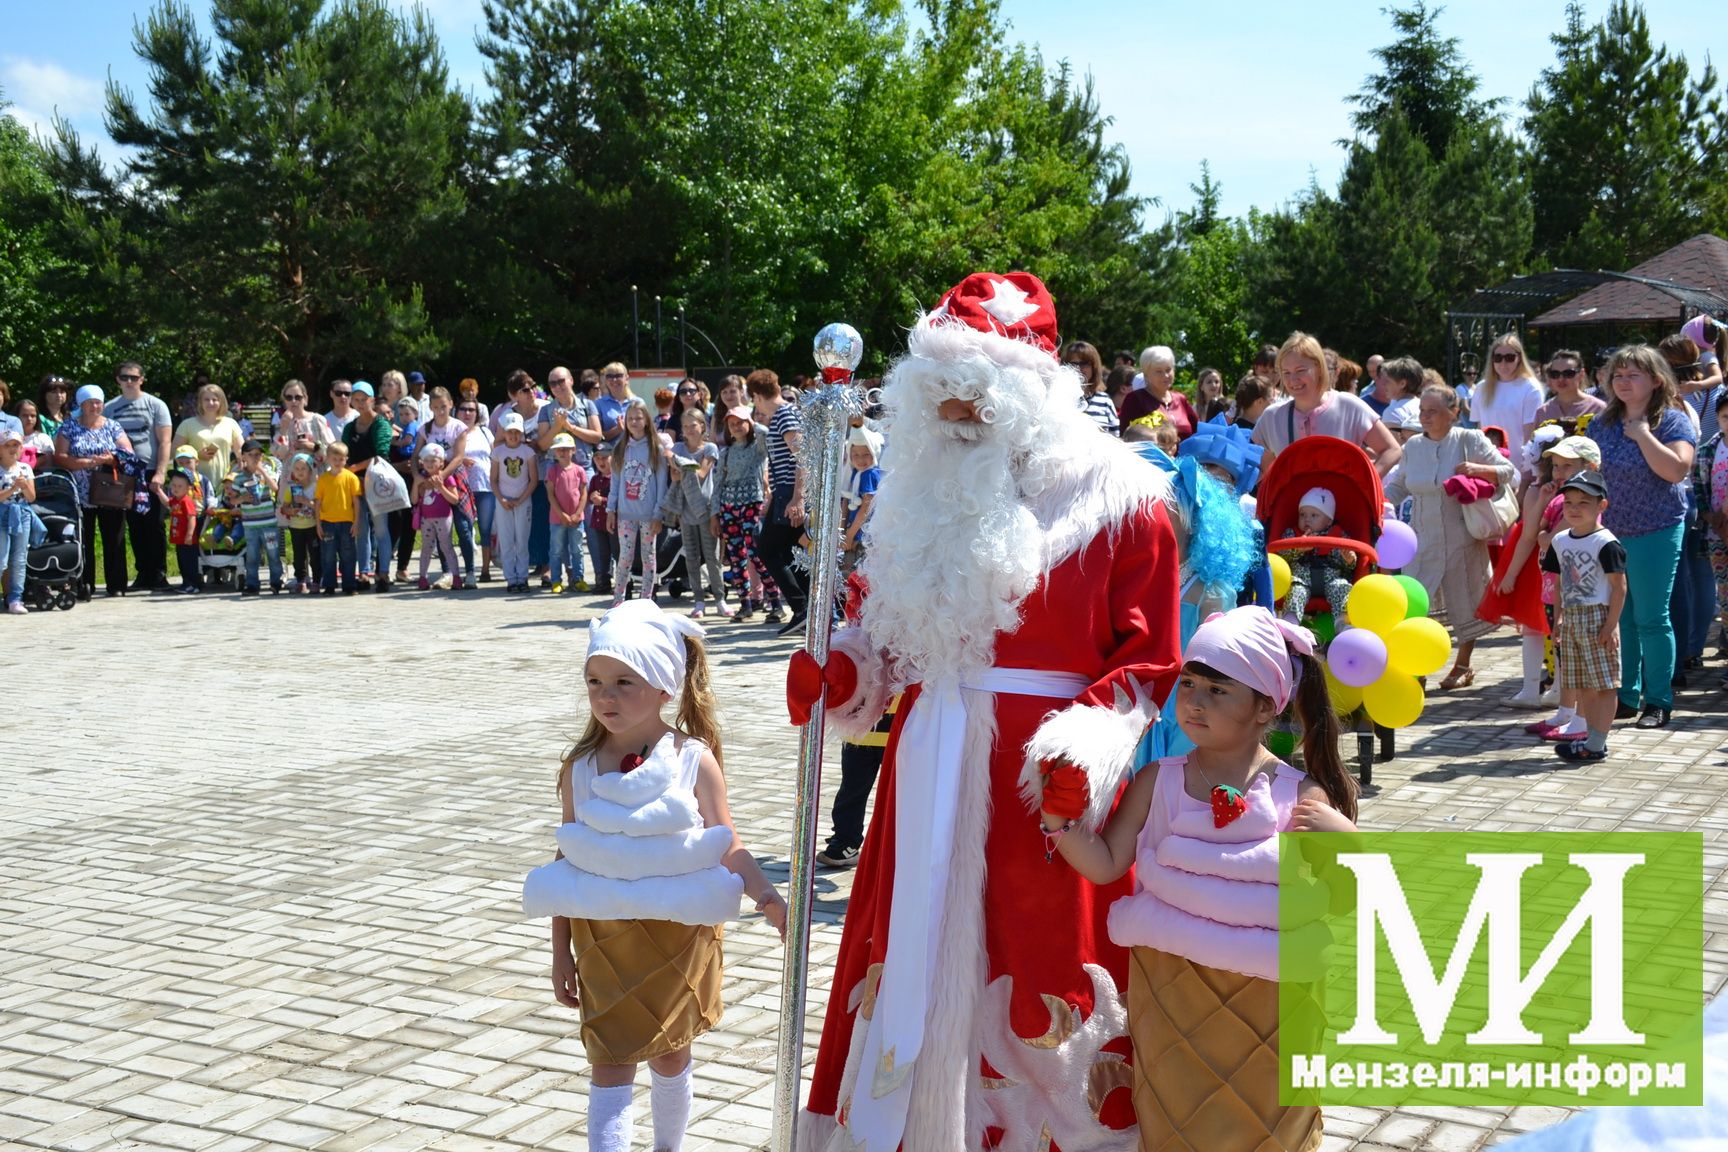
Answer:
(1647, 445)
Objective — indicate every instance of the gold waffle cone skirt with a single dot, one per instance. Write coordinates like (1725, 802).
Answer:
(1206, 1060)
(648, 987)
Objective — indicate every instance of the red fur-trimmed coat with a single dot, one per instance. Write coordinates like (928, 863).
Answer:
(1025, 1038)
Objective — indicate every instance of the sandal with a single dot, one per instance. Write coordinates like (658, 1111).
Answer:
(1459, 678)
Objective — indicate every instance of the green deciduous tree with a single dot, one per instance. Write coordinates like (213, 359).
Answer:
(288, 187)
(45, 324)
(1627, 145)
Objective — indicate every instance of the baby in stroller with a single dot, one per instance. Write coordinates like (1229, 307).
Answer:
(1327, 571)
(222, 541)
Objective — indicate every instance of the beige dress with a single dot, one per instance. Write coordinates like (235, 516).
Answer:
(1452, 565)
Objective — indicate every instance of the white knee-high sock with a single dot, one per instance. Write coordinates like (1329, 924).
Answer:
(671, 1096)
(610, 1123)
(1532, 648)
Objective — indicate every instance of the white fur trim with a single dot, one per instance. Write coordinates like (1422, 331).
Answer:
(821, 1133)
(853, 717)
(673, 811)
(560, 888)
(1092, 492)
(1098, 741)
(939, 336)
(639, 857)
(638, 786)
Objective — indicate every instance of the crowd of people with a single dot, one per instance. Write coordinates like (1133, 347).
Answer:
(580, 485)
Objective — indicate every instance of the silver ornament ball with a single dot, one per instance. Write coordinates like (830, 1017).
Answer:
(839, 346)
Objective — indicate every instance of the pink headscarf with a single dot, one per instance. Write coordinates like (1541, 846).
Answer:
(1252, 647)
(1693, 330)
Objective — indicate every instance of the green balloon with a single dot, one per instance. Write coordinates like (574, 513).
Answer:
(1323, 627)
(1416, 595)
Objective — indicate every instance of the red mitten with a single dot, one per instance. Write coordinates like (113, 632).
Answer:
(803, 686)
(1065, 790)
(841, 677)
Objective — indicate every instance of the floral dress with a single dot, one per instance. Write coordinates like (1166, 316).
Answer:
(83, 443)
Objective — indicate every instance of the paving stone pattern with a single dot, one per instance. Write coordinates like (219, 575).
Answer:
(260, 865)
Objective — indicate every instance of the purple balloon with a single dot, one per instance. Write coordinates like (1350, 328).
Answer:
(1397, 544)
(1357, 657)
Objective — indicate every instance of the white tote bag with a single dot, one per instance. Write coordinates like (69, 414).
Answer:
(386, 491)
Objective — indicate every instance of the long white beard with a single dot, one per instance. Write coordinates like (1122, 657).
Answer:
(954, 547)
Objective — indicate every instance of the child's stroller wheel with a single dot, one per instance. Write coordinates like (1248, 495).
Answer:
(41, 599)
(68, 600)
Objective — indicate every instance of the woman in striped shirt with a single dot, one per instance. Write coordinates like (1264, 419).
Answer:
(1094, 400)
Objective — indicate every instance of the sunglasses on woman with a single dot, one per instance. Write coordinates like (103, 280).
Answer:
(1562, 373)
(1505, 357)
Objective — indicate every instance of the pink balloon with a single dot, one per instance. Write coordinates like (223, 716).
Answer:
(1397, 544)
(1357, 657)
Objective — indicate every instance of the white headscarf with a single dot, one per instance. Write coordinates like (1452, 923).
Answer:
(649, 641)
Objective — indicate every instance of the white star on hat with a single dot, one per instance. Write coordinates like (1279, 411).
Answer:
(1008, 303)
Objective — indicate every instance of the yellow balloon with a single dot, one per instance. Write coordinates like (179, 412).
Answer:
(1394, 700)
(1280, 575)
(1345, 699)
(1377, 603)
(1417, 647)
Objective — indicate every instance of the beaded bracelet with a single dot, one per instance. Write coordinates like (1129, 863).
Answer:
(1052, 836)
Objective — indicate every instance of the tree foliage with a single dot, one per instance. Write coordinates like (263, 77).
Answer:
(287, 184)
(1627, 145)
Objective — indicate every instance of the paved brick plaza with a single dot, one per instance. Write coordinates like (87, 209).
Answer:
(261, 893)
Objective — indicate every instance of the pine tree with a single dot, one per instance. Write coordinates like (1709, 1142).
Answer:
(288, 183)
(1426, 76)
(1626, 144)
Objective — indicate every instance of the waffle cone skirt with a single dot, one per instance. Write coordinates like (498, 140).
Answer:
(1206, 1060)
(648, 987)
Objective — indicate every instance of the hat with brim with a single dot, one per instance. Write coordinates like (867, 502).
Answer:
(1590, 483)
(1578, 448)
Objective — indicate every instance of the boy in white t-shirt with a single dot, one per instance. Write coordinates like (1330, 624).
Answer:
(515, 472)
(1592, 568)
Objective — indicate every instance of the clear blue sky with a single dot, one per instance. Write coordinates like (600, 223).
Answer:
(1258, 89)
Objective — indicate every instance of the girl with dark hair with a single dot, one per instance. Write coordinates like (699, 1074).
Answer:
(1222, 806)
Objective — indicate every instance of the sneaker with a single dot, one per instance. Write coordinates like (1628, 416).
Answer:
(384, 585)
(424, 584)
(580, 586)
(1578, 752)
(722, 611)
(1655, 716)
(603, 588)
(793, 624)
(329, 591)
(1551, 696)
(249, 590)
(545, 581)
(776, 615)
(1528, 696)
(844, 858)
(276, 589)
(558, 589)
(745, 611)
(697, 612)
(468, 584)
(1624, 711)
(16, 608)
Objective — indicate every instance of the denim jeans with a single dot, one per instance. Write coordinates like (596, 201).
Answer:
(564, 549)
(1693, 603)
(375, 542)
(339, 548)
(14, 551)
(363, 531)
(601, 551)
(265, 538)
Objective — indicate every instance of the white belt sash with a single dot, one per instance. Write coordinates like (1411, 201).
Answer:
(928, 765)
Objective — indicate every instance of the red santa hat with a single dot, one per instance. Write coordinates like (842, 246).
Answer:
(1013, 312)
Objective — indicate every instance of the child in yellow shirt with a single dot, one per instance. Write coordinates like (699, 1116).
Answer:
(334, 501)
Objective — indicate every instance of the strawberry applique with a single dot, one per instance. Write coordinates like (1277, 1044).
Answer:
(1227, 804)
(637, 759)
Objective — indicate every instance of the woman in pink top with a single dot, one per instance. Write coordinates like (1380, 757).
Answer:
(1203, 922)
(1312, 407)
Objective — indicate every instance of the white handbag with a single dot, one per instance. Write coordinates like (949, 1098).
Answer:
(1492, 518)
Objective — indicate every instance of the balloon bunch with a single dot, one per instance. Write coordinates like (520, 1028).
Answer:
(1392, 641)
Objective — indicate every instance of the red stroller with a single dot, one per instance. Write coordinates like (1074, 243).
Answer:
(1345, 470)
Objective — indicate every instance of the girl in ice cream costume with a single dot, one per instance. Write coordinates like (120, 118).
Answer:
(648, 869)
(1203, 921)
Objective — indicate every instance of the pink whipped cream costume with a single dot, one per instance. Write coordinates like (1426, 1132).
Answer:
(1202, 926)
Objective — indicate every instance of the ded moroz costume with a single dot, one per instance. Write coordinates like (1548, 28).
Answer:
(1022, 589)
